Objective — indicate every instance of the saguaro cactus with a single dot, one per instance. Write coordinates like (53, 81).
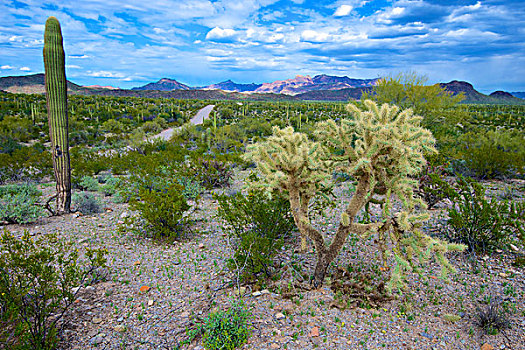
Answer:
(56, 96)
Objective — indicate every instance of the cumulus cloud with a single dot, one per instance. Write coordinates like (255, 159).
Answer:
(314, 36)
(105, 74)
(219, 34)
(343, 10)
(25, 69)
(7, 67)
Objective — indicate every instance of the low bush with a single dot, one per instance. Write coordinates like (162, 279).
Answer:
(88, 183)
(37, 278)
(491, 319)
(19, 204)
(482, 224)
(162, 210)
(210, 173)
(258, 224)
(225, 330)
(433, 186)
(86, 203)
(110, 186)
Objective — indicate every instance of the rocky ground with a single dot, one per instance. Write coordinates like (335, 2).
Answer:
(154, 291)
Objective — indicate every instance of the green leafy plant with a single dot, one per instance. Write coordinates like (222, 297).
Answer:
(110, 186)
(162, 210)
(210, 173)
(86, 203)
(258, 225)
(483, 225)
(433, 186)
(19, 204)
(37, 278)
(225, 330)
(88, 183)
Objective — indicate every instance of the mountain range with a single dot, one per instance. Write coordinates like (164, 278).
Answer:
(319, 88)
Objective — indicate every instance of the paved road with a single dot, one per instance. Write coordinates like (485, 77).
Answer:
(198, 119)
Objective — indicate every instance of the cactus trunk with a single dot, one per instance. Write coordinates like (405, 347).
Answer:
(56, 96)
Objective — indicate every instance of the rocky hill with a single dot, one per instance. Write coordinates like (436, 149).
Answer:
(229, 85)
(164, 84)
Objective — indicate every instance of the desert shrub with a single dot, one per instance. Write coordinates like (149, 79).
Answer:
(111, 186)
(258, 224)
(225, 330)
(491, 319)
(19, 204)
(433, 186)
(88, 183)
(210, 173)
(86, 203)
(493, 154)
(483, 225)
(36, 282)
(25, 164)
(162, 210)
(191, 190)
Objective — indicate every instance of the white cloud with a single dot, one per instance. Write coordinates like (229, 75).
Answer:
(314, 36)
(73, 66)
(219, 33)
(25, 69)
(105, 74)
(7, 67)
(343, 10)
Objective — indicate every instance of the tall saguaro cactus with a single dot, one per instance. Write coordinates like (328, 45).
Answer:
(56, 96)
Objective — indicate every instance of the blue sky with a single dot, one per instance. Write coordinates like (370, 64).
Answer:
(199, 42)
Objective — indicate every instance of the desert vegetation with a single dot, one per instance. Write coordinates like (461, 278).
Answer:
(375, 223)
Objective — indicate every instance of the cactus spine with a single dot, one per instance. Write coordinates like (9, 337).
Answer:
(56, 96)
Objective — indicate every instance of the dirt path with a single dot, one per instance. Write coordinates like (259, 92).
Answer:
(198, 119)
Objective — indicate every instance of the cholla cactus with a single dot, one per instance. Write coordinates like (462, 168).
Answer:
(381, 148)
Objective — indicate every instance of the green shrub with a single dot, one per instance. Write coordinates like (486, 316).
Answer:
(19, 204)
(226, 330)
(433, 187)
(481, 224)
(86, 203)
(210, 173)
(88, 183)
(191, 190)
(493, 154)
(36, 282)
(258, 225)
(111, 186)
(162, 210)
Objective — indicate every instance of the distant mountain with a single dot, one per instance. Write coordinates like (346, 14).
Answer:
(334, 95)
(301, 84)
(164, 84)
(30, 84)
(474, 96)
(518, 94)
(101, 87)
(229, 85)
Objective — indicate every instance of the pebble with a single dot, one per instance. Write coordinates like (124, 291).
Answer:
(96, 340)
(256, 294)
(279, 316)
(124, 215)
(426, 335)
(487, 346)
(120, 328)
(96, 320)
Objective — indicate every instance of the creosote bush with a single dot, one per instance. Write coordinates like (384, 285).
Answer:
(37, 278)
(483, 225)
(381, 147)
(19, 204)
(162, 210)
(86, 203)
(258, 225)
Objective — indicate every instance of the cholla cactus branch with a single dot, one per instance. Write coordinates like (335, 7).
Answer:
(381, 147)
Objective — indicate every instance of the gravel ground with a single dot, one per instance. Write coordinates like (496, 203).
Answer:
(188, 279)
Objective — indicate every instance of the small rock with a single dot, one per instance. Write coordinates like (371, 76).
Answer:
(120, 328)
(184, 314)
(426, 335)
(144, 289)
(265, 291)
(275, 346)
(279, 316)
(75, 290)
(96, 320)
(136, 263)
(503, 274)
(100, 225)
(487, 346)
(124, 215)
(96, 340)
(513, 247)
(150, 302)
(314, 332)
(201, 246)
(256, 294)
(120, 319)
(90, 288)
